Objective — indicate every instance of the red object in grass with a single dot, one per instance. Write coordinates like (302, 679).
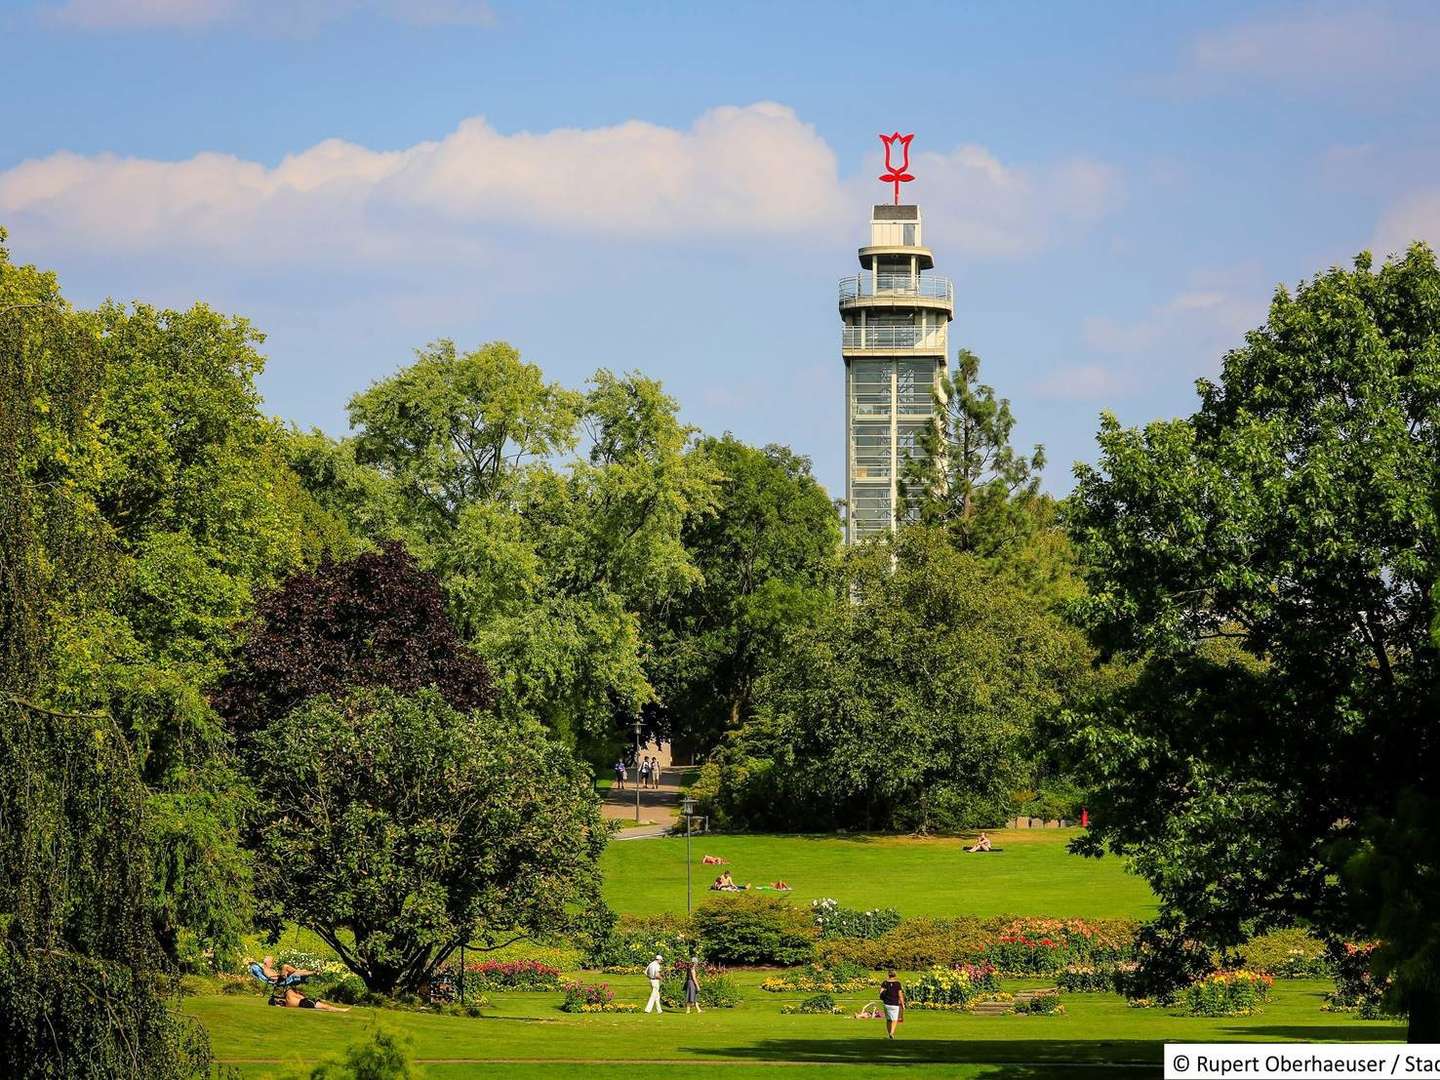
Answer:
(1084, 818)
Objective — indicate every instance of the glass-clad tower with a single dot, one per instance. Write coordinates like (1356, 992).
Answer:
(896, 314)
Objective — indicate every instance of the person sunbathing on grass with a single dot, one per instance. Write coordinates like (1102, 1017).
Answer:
(982, 844)
(283, 979)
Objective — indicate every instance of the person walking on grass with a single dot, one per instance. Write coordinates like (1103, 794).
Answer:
(692, 985)
(892, 996)
(654, 973)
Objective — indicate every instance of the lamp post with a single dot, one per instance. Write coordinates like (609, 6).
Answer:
(637, 770)
(688, 806)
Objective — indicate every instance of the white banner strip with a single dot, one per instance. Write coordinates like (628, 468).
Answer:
(1225, 1061)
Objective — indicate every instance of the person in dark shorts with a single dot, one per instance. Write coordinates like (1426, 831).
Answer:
(892, 996)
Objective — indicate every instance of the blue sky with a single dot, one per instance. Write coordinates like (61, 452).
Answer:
(1116, 189)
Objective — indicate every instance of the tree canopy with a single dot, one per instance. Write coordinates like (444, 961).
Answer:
(397, 828)
(910, 704)
(1270, 564)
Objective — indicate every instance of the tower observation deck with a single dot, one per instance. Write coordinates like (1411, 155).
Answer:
(896, 314)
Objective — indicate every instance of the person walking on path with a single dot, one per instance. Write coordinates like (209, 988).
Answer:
(655, 771)
(892, 996)
(654, 973)
(692, 985)
(619, 774)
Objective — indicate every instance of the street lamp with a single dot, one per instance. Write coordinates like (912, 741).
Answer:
(688, 806)
(637, 770)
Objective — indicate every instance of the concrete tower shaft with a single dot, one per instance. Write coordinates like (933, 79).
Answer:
(895, 339)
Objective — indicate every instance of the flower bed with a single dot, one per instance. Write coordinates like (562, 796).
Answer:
(1228, 993)
(833, 978)
(592, 998)
(1014, 946)
(511, 975)
(950, 988)
(835, 921)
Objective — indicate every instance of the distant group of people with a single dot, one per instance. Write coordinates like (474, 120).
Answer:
(647, 769)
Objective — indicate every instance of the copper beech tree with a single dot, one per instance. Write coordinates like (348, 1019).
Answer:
(375, 620)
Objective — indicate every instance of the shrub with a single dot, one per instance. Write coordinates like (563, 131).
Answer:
(1042, 1004)
(1086, 979)
(1228, 993)
(592, 998)
(1165, 963)
(634, 941)
(510, 975)
(716, 991)
(834, 978)
(950, 988)
(1287, 954)
(1016, 946)
(835, 921)
(752, 928)
(820, 1003)
(348, 991)
(310, 962)
(384, 1056)
(1356, 988)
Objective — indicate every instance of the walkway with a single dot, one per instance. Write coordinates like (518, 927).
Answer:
(659, 805)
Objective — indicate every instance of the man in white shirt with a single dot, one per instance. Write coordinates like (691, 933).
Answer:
(653, 973)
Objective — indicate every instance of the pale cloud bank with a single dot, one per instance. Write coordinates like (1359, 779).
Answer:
(735, 173)
(1319, 47)
(270, 15)
(1414, 217)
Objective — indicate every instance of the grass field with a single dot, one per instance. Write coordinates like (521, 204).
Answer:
(526, 1035)
(1034, 875)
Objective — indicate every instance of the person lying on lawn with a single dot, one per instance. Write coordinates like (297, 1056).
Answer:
(292, 998)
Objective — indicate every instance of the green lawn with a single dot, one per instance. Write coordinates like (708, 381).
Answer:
(1034, 875)
(525, 1035)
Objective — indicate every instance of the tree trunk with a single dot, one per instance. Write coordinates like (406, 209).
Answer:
(1424, 1016)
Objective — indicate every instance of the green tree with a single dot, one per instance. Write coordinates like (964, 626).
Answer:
(190, 482)
(549, 559)
(910, 705)
(1270, 564)
(452, 429)
(968, 478)
(401, 828)
(82, 988)
(768, 560)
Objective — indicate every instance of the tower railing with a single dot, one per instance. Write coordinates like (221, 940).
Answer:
(926, 286)
(894, 337)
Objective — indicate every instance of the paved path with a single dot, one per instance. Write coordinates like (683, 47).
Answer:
(659, 805)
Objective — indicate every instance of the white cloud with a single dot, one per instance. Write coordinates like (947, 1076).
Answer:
(269, 15)
(1188, 333)
(975, 204)
(1318, 48)
(735, 173)
(1415, 217)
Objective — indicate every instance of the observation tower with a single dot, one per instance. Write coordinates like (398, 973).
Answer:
(896, 314)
